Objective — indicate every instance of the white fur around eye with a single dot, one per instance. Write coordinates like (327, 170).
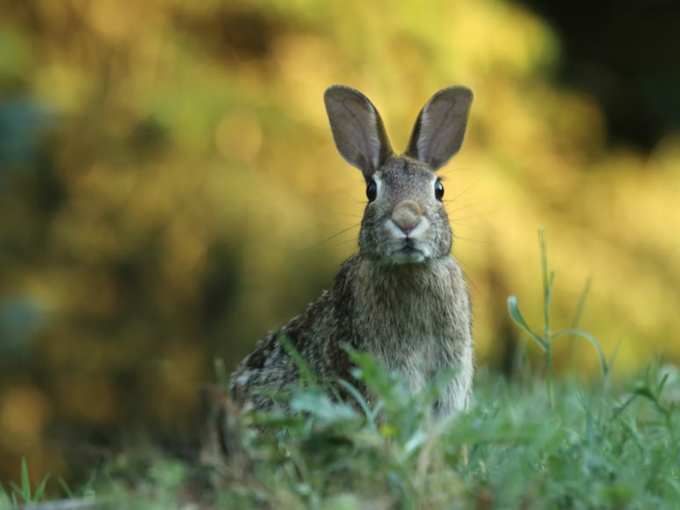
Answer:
(378, 184)
(435, 180)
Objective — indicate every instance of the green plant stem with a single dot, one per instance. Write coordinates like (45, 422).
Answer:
(546, 283)
(548, 279)
(548, 376)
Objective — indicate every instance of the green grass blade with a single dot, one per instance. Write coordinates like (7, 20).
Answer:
(67, 490)
(544, 272)
(662, 383)
(351, 389)
(519, 320)
(305, 372)
(615, 353)
(584, 334)
(41, 488)
(221, 373)
(17, 490)
(25, 481)
(580, 306)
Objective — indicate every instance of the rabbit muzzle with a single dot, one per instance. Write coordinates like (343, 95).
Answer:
(407, 227)
(406, 216)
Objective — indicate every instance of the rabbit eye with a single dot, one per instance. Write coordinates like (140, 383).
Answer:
(439, 190)
(371, 191)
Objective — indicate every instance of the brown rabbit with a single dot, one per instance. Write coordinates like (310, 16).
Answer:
(402, 297)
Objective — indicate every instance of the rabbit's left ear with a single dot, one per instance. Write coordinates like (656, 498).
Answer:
(440, 127)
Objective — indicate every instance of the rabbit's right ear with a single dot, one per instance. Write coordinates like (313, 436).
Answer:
(358, 130)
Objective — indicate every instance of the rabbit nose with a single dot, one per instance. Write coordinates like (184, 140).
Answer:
(406, 215)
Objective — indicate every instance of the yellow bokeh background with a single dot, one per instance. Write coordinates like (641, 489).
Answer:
(189, 198)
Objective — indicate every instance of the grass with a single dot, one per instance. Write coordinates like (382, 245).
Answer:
(533, 443)
(23, 494)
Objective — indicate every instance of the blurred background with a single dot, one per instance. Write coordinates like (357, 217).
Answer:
(169, 188)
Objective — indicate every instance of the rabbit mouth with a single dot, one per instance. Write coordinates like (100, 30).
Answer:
(407, 253)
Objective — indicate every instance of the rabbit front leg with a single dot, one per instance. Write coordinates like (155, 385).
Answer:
(456, 399)
(457, 394)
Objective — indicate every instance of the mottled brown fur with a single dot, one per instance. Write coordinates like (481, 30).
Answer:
(402, 297)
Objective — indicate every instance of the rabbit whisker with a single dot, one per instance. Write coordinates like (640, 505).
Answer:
(342, 243)
(462, 207)
(335, 235)
(475, 216)
(472, 240)
(467, 189)
(345, 214)
(348, 194)
(469, 278)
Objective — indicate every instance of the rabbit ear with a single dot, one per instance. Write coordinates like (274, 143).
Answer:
(440, 127)
(357, 128)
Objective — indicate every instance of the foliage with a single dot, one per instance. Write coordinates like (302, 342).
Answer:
(587, 450)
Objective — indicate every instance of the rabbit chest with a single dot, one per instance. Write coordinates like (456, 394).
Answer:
(416, 320)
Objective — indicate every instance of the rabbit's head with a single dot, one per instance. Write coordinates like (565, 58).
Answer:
(405, 220)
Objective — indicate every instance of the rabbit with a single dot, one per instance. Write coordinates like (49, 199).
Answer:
(402, 298)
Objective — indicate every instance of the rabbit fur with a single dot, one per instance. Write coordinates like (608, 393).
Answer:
(402, 297)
